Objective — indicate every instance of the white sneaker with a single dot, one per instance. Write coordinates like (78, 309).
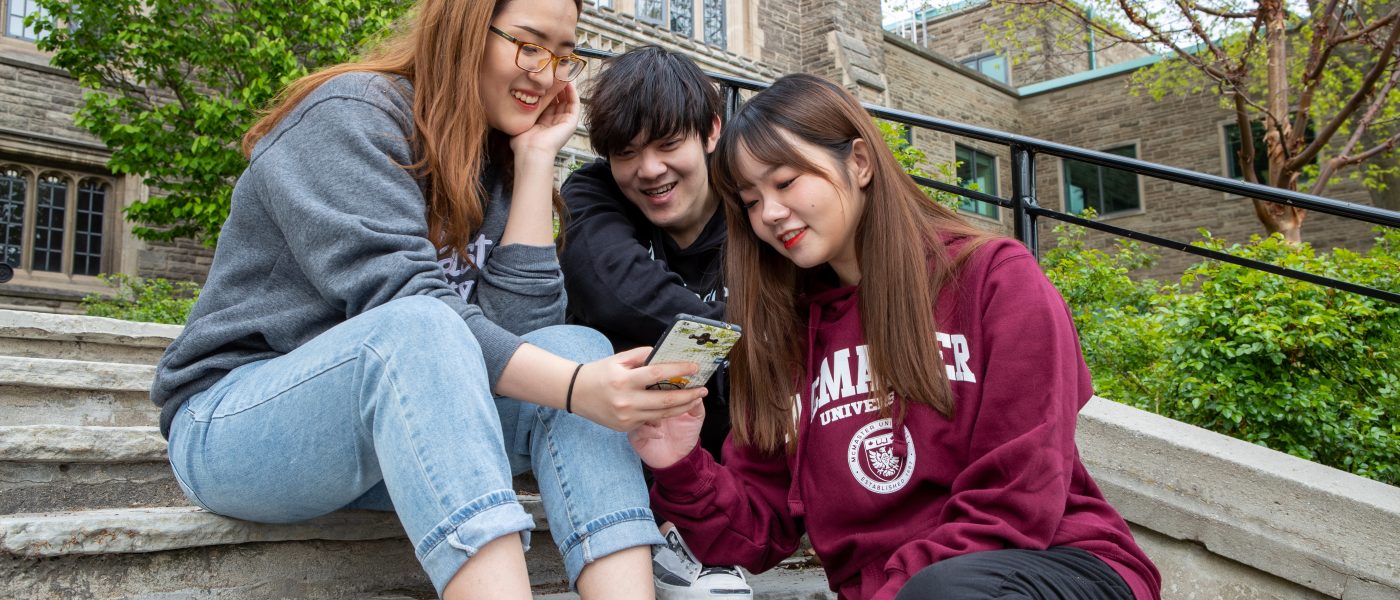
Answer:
(679, 576)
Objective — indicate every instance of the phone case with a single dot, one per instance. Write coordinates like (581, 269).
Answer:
(705, 342)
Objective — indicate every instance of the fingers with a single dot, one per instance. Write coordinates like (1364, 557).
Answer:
(633, 358)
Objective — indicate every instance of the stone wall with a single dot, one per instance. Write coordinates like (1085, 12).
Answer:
(183, 260)
(928, 84)
(38, 99)
(963, 34)
(1184, 132)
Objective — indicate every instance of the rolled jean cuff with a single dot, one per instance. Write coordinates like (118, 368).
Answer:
(462, 534)
(606, 535)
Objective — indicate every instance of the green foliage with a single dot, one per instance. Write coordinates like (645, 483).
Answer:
(1293, 366)
(173, 85)
(913, 160)
(146, 300)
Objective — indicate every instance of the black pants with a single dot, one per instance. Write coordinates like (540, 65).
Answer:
(1059, 573)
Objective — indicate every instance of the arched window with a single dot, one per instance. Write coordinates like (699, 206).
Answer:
(54, 222)
(14, 188)
(88, 226)
(50, 212)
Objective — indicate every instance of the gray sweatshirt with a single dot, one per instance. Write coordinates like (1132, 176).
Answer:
(325, 224)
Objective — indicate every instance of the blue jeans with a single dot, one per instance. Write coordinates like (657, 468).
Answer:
(391, 411)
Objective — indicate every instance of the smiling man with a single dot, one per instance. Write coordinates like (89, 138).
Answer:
(643, 240)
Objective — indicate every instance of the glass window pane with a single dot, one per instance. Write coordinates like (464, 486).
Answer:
(48, 224)
(995, 67)
(1120, 191)
(1083, 181)
(986, 173)
(19, 9)
(13, 186)
(87, 241)
(715, 31)
(683, 17)
(651, 11)
(976, 170)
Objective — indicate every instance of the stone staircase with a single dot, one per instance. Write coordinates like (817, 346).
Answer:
(90, 509)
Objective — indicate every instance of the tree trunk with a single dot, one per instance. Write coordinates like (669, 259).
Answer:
(1278, 218)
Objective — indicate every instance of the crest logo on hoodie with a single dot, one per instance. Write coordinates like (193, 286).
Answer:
(873, 461)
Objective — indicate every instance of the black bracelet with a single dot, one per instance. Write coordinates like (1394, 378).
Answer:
(569, 397)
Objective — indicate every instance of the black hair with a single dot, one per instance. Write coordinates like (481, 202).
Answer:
(649, 90)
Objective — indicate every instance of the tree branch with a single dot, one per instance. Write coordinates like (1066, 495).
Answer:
(1318, 54)
(1367, 86)
(1215, 12)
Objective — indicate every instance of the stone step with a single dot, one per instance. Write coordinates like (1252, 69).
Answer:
(49, 468)
(46, 468)
(178, 552)
(70, 337)
(51, 391)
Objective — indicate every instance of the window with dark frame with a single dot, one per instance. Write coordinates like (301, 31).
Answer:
(1261, 156)
(52, 221)
(14, 187)
(1106, 190)
(977, 170)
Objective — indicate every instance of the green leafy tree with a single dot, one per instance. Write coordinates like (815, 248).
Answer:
(1286, 364)
(1320, 77)
(173, 84)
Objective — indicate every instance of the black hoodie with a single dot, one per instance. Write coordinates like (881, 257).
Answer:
(628, 279)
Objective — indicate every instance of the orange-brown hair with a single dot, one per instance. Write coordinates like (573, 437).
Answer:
(439, 48)
(900, 251)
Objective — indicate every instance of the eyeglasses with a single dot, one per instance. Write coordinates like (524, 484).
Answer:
(533, 58)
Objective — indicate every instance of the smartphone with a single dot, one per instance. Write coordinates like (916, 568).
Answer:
(705, 342)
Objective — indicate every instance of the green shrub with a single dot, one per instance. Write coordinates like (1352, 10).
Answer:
(1293, 366)
(147, 300)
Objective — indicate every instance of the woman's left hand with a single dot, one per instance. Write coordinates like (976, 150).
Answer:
(554, 127)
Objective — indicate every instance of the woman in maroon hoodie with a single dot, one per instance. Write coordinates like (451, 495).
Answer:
(926, 453)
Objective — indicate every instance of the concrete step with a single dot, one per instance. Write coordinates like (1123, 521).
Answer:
(50, 391)
(179, 552)
(46, 468)
(70, 337)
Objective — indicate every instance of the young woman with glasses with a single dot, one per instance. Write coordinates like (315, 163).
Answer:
(379, 329)
(906, 389)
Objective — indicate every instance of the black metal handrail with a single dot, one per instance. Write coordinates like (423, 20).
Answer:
(1026, 210)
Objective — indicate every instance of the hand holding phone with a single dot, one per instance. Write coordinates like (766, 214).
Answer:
(705, 342)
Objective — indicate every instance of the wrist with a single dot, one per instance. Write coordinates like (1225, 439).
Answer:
(534, 159)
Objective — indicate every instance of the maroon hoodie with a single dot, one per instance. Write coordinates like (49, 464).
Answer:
(878, 506)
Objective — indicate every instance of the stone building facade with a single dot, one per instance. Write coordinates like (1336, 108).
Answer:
(950, 73)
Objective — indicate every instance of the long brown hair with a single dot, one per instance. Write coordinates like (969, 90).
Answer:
(439, 47)
(900, 250)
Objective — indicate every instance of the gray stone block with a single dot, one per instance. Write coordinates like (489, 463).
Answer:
(72, 337)
(114, 531)
(45, 391)
(1322, 529)
(49, 468)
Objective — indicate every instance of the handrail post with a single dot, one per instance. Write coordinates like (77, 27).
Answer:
(732, 101)
(1023, 197)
